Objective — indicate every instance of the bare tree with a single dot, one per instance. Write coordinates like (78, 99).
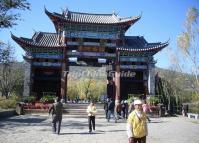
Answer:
(87, 85)
(188, 43)
(10, 76)
(7, 17)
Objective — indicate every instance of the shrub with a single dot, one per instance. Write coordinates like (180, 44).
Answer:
(132, 98)
(154, 100)
(14, 97)
(8, 104)
(194, 108)
(47, 99)
(29, 99)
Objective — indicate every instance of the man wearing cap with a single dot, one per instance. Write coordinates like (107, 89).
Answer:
(137, 125)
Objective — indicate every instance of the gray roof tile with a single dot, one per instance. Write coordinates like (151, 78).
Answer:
(91, 18)
(41, 39)
(132, 43)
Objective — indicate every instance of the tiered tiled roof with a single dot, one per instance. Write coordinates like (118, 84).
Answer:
(39, 39)
(78, 17)
(132, 43)
(139, 44)
(89, 18)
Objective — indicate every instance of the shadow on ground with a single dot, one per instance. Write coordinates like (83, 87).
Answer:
(23, 121)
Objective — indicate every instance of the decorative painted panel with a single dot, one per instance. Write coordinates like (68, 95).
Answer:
(33, 50)
(133, 66)
(47, 56)
(133, 59)
(90, 44)
(46, 64)
(96, 35)
(91, 54)
(90, 49)
(92, 28)
(139, 54)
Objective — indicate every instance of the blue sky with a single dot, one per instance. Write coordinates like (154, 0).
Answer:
(161, 19)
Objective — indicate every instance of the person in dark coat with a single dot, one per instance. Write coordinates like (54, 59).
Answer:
(106, 107)
(111, 107)
(57, 110)
(126, 108)
(124, 105)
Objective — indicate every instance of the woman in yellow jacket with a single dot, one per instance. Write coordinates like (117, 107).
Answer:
(137, 125)
(91, 110)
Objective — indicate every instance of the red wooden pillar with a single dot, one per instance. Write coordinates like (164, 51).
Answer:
(117, 78)
(64, 72)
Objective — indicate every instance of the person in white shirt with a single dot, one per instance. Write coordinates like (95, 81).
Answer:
(91, 110)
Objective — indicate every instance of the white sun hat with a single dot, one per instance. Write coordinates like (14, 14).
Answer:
(137, 102)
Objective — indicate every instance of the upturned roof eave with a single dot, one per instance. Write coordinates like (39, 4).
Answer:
(23, 43)
(125, 21)
(154, 49)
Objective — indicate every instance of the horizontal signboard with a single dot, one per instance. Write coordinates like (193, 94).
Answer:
(91, 54)
(133, 66)
(95, 35)
(46, 64)
(133, 59)
(90, 44)
(47, 56)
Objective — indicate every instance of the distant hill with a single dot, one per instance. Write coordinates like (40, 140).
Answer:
(186, 80)
(16, 65)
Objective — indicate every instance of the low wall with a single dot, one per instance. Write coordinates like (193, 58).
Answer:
(192, 115)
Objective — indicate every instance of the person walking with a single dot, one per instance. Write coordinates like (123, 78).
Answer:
(185, 110)
(91, 110)
(106, 107)
(136, 124)
(131, 107)
(126, 108)
(118, 110)
(111, 107)
(57, 110)
(123, 109)
(146, 109)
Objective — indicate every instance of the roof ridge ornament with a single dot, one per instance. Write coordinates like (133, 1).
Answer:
(46, 11)
(141, 14)
(115, 16)
(114, 12)
(168, 40)
(65, 12)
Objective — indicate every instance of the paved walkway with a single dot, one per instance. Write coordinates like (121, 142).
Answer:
(33, 129)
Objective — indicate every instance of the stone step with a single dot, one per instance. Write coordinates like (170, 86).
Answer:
(82, 116)
(83, 110)
(68, 115)
(73, 109)
(101, 111)
(81, 106)
(73, 113)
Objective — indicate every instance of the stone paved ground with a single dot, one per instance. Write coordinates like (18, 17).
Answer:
(37, 129)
